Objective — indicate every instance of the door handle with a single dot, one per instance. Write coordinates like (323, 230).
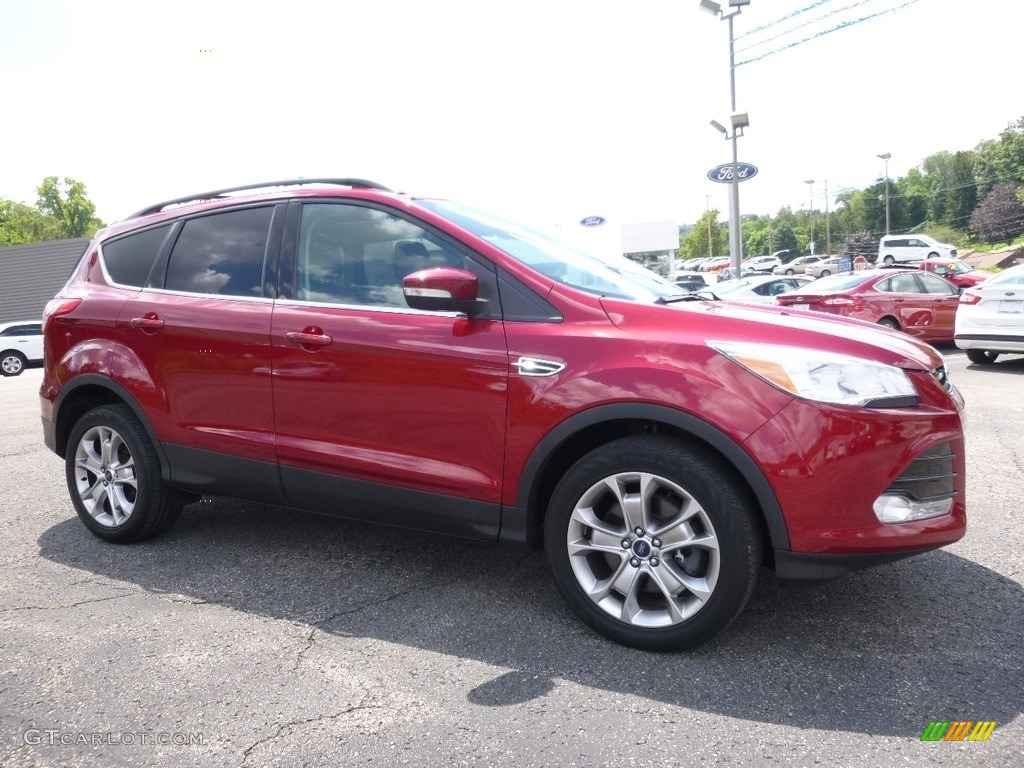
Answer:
(308, 339)
(148, 323)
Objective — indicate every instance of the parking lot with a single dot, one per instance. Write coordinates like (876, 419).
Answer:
(256, 636)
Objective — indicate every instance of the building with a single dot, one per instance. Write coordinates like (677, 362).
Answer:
(30, 275)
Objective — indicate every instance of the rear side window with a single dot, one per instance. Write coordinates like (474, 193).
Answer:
(221, 254)
(129, 259)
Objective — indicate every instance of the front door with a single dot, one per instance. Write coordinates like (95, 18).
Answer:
(400, 412)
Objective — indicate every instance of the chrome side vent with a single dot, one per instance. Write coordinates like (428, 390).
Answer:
(535, 366)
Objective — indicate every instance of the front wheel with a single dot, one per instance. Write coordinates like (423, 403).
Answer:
(113, 475)
(981, 356)
(790, 272)
(652, 543)
(888, 261)
(888, 322)
(12, 363)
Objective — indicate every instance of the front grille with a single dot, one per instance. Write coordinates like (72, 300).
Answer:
(929, 477)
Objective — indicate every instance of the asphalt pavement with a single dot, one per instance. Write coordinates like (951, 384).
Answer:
(255, 636)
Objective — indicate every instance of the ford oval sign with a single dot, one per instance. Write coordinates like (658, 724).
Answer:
(592, 221)
(723, 173)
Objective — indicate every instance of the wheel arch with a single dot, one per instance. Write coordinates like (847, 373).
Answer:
(89, 391)
(581, 433)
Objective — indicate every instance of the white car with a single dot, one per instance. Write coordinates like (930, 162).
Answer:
(901, 249)
(762, 263)
(990, 317)
(798, 266)
(759, 290)
(21, 343)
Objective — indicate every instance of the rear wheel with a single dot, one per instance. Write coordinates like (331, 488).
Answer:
(889, 322)
(824, 273)
(113, 475)
(652, 544)
(12, 363)
(790, 272)
(981, 356)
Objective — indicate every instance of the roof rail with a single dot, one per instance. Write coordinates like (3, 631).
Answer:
(354, 183)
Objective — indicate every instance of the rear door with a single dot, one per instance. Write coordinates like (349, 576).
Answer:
(195, 350)
(383, 411)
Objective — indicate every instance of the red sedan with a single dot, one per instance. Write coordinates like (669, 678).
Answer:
(917, 303)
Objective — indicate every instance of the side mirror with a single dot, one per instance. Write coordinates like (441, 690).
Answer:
(444, 289)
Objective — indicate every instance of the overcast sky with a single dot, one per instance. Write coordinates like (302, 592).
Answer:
(554, 109)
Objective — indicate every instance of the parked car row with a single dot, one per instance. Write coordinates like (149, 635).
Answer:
(985, 319)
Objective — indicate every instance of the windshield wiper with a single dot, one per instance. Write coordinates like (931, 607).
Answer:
(686, 297)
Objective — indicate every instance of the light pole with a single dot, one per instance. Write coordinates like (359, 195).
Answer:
(828, 229)
(885, 156)
(810, 211)
(739, 121)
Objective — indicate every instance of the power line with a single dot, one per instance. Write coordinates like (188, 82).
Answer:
(802, 25)
(836, 28)
(788, 16)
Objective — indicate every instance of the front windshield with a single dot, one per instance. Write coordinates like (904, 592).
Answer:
(959, 268)
(616, 277)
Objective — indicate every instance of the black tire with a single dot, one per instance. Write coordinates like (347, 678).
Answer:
(981, 356)
(888, 261)
(109, 444)
(889, 322)
(693, 497)
(12, 363)
(790, 272)
(824, 273)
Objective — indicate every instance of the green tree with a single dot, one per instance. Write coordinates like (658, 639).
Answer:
(696, 244)
(1000, 216)
(20, 223)
(67, 203)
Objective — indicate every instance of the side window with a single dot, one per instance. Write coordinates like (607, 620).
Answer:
(905, 283)
(351, 254)
(221, 253)
(937, 285)
(129, 259)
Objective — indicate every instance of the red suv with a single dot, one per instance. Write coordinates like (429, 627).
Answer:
(329, 345)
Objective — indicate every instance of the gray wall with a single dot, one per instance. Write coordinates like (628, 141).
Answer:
(30, 275)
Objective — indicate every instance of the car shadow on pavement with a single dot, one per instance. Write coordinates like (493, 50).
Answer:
(881, 652)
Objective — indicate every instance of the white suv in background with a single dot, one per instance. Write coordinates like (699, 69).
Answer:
(21, 343)
(893, 249)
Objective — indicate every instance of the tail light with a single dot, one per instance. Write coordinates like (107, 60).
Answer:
(58, 307)
(841, 301)
(969, 298)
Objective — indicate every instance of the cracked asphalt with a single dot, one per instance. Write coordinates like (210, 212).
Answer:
(256, 636)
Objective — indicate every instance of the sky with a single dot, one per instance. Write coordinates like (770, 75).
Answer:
(551, 110)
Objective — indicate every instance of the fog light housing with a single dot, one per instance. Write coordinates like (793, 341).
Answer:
(890, 508)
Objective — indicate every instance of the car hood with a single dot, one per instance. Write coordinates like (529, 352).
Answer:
(727, 321)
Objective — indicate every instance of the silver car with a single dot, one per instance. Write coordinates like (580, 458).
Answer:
(990, 317)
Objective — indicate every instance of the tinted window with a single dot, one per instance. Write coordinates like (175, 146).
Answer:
(23, 330)
(936, 285)
(222, 253)
(129, 259)
(904, 283)
(350, 254)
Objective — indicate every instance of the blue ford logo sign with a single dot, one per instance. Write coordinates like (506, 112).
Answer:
(592, 221)
(723, 173)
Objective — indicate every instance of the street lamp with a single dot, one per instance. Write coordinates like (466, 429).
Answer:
(885, 156)
(810, 211)
(739, 122)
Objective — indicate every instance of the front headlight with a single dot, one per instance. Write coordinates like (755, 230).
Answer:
(823, 376)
